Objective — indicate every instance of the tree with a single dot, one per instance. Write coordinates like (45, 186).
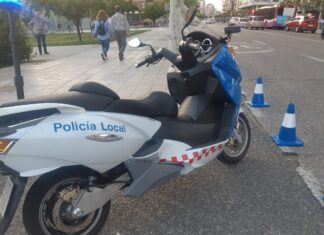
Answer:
(190, 3)
(126, 6)
(176, 23)
(74, 10)
(304, 5)
(153, 11)
(23, 49)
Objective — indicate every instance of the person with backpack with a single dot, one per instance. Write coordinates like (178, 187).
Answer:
(102, 32)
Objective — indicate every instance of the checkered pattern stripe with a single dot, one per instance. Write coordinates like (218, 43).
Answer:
(190, 157)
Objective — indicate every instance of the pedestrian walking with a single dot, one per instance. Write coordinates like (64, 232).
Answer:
(120, 28)
(39, 28)
(102, 31)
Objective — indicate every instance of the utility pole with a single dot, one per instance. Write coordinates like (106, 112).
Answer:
(18, 78)
(11, 6)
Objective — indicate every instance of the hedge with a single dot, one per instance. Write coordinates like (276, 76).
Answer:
(23, 48)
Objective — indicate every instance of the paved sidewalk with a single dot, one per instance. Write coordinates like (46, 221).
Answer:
(68, 65)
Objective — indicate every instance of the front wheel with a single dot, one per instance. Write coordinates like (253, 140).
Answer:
(238, 145)
(47, 208)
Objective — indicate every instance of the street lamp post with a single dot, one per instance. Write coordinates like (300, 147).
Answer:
(11, 6)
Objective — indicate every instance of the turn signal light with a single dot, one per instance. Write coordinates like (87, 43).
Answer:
(231, 50)
(5, 145)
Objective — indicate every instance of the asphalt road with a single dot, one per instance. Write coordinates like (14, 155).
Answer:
(263, 194)
(292, 67)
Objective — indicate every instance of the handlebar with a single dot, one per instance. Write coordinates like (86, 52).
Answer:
(156, 57)
(141, 63)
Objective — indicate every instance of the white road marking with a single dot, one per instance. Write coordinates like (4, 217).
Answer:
(262, 43)
(298, 38)
(252, 52)
(312, 183)
(256, 112)
(249, 47)
(314, 58)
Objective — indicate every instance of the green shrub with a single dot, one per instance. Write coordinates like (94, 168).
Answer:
(23, 48)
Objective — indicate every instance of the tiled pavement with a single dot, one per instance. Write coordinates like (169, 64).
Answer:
(68, 65)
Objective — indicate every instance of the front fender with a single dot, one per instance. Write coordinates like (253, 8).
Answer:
(27, 166)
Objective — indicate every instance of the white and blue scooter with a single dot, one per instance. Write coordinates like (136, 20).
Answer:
(87, 144)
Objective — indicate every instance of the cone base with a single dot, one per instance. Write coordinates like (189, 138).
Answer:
(280, 142)
(265, 104)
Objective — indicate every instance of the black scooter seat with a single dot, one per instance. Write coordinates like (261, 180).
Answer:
(95, 97)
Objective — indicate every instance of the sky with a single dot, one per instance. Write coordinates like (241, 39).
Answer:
(217, 3)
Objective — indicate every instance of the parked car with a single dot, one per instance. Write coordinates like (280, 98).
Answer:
(256, 22)
(302, 23)
(209, 21)
(234, 21)
(243, 22)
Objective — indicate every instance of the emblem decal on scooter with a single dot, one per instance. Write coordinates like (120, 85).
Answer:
(86, 126)
(104, 137)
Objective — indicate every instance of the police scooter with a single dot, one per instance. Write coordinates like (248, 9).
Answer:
(87, 144)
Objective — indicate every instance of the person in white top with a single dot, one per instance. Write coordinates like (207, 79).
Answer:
(120, 28)
(102, 32)
(39, 24)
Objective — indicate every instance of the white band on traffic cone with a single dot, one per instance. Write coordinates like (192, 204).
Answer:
(289, 120)
(258, 89)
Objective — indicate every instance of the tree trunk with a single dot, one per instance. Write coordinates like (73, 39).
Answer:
(175, 24)
(79, 32)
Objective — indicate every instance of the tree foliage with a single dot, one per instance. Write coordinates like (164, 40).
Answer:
(76, 10)
(153, 11)
(305, 6)
(23, 49)
(126, 6)
(190, 3)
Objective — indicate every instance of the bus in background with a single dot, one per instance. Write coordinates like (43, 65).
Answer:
(275, 16)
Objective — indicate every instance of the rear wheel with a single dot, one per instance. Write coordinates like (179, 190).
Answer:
(314, 31)
(47, 208)
(238, 145)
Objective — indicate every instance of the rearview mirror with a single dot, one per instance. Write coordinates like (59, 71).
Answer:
(135, 42)
(232, 29)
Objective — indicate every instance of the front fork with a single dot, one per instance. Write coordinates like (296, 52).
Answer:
(17, 191)
(236, 135)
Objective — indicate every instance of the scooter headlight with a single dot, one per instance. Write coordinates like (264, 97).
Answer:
(5, 145)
